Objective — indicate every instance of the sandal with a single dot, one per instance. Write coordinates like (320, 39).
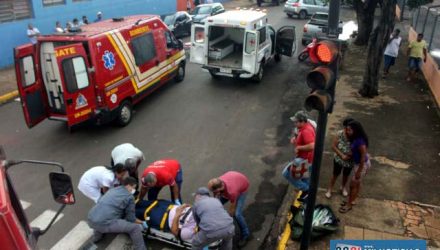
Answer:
(344, 209)
(343, 203)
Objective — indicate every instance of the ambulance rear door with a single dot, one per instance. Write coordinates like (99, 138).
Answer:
(77, 90)
(30, 86)
(198, 51)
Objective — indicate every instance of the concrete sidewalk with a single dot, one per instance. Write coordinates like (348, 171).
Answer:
(399, 197)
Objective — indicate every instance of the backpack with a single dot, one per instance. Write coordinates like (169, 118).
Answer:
(324, 222)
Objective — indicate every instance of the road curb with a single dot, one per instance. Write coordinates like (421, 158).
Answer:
(8, 96)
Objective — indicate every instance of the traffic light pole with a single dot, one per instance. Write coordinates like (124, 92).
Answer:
(314, 179)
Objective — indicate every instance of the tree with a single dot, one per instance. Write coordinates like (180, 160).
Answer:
(365, 19)
(378, 40)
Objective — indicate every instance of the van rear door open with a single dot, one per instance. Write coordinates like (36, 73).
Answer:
(250, 51)
(198, 47)
(285, 41)
(77, 91)
(30, 86)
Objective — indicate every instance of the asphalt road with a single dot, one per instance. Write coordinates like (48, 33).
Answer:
(210, 126)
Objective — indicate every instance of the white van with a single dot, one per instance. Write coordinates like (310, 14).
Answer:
(239, 43)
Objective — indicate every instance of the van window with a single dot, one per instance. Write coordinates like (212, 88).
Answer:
(143, 48)
(262, 37)
(27, 71)
(215, 32)
(75, 74)
(250, 42)
(199, 34)
(15, 202)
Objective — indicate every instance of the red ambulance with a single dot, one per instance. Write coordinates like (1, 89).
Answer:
(98, 71)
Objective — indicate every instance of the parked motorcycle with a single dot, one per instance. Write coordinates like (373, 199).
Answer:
(306, 51)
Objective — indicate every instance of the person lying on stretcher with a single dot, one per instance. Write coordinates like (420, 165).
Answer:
(166, 216)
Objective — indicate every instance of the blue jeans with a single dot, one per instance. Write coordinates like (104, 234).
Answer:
(302, 184)
(154, 192)
(239, 214)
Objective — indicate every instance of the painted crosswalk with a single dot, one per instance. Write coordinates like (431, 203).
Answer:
(25, 204)
(44, 219)
(75, 238)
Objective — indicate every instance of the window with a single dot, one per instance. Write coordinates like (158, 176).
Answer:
(199, 34)
(11, 10)
(309, 2)
(75, 74)
(27, 71)
(250, 42)
(171, 40)
(216, 32)
(15, 202)
(53, 2)
(262, 37)
(180, 18)
(143, 48)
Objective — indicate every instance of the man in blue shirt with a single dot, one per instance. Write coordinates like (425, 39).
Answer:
(115, 213)
(98, 17)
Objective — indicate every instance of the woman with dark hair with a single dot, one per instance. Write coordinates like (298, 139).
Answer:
(342, 160)
(359, 145)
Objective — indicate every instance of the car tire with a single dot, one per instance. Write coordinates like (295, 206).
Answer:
(180, 73)
(302, 14)
(259, 76)
(277, 57)
(303, 56)
(125, 113)
(289, 15)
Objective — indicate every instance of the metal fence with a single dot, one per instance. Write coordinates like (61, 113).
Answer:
(404, 12)
(426, 20)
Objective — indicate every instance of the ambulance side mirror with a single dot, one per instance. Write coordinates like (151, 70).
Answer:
(62, 188)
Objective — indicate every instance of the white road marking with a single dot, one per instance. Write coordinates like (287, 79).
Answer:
(43, 220)
(75, 238)
(25, 204)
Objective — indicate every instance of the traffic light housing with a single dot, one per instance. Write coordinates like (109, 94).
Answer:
(322, 79)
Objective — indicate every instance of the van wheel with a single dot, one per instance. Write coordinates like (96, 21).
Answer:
(277, 57)
(289, 15)
(180, 73)
(259, 76)
(302, 14)
(124, 114)
(214, 75)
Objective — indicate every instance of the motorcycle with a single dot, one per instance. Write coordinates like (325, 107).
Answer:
(306, 51)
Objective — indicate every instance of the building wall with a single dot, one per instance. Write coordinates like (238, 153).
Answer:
(44, 18)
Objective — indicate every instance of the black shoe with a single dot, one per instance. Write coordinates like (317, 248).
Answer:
(303, 196)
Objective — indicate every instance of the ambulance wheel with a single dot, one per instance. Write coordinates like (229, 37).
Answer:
(259, 76)
(180, 73)
(213, 74)
(125, 114)
(277, 57)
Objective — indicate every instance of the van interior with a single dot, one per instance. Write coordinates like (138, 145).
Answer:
(225, 46)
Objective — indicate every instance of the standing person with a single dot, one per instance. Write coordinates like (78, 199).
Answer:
(98, 17)
(68, 27)
(128, 155)
(213, 222)
(359, 145)
(159, 174)
(85, 20)
(304, 143)
(342, 161)
(32, 33)
(58, 28)
(98, 180)
(75, 23)
(416, 52)
(115, 213)
(188, 6)
(232, 186)
(391, 52)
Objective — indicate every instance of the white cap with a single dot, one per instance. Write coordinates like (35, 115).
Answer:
(99, 13)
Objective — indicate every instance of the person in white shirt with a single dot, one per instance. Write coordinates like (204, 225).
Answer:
(129, 156)
(58, 28)
(32, 33)
(98, 180)
(391, 52)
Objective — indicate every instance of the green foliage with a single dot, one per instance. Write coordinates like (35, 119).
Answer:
(412, 4)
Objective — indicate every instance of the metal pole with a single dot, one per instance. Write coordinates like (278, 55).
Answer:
(417, 19)
(402, 10)
(433, 32)
(426, 19)
(314, 179)
(333, 18)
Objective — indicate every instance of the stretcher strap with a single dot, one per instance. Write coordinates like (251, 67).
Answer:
(165, 216)
(149, 209)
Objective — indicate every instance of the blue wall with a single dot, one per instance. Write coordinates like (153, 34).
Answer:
(44, 18)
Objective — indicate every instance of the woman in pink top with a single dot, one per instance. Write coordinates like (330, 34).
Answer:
(232, 186)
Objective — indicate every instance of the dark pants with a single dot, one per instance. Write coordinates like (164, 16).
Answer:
(122, 226)
(154, 192)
